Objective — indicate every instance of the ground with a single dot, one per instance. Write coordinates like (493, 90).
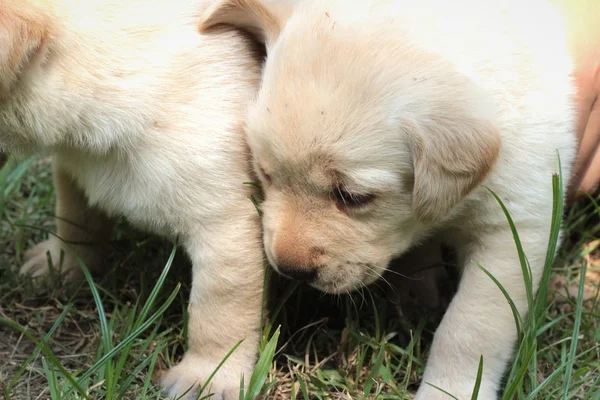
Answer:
(328, 347)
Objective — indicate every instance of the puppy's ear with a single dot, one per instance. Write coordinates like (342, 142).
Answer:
(265, 23)
(452, 154)
(23, 30)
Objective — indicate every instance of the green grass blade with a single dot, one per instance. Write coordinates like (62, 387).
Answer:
(52, 381)
(242, 386)
(511, 303)
(376, 367)
(475, 395)
(303, 388)
(442, 390)
(256, 204)
(517, 380)
(104, 328)
(546, 327)
(557, 215)
(290, 289)
(264, 301)
(263, 366)
(148, 380)
(536, 392)
(156, 290)
(522, 258)
(575, 336)
(212, 375)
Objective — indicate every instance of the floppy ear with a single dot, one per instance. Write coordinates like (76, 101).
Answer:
(451, 156)
(23, 30)
(265, 23)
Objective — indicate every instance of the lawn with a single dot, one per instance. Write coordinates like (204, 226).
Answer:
(113, 337)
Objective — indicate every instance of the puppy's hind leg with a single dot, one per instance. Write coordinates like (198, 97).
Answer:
(479, 321)
(84, 228)
(224, 307)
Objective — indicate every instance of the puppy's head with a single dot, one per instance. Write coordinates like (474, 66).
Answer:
(363, 139)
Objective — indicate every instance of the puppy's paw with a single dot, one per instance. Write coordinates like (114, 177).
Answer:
(52, 259)
(185, 379)
(459, 392)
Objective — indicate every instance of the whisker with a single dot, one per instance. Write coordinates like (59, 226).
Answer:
(376, 275)
(357, 289)
(361, 291)
(352, 300)
(380, 276)
(395, 290)
(418, 269)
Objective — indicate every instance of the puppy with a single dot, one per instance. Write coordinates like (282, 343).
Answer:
(144, 117)
(381, 123)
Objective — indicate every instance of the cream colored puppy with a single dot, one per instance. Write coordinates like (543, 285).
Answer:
(382, 122)
(144, 117)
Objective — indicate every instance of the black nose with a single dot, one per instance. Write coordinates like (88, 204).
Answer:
(306, 274)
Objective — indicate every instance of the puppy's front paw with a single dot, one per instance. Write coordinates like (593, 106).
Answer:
(63, 263)
(185, 379)
(460, 392)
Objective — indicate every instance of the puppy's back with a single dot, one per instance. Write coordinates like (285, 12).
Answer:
(108, 70)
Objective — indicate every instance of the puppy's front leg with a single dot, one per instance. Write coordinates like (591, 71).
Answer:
(85, 228)
(479, 321)
(224, 308)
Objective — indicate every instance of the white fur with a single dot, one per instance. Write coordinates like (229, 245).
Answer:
(448, 98)
(144, 118)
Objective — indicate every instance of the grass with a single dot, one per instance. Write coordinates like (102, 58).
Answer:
(112, 336)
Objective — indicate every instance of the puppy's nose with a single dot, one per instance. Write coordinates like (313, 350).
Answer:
(302, 274)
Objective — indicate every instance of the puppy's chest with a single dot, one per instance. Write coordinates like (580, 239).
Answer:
(121, 190)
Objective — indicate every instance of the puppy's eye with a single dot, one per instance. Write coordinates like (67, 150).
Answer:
(347, 199)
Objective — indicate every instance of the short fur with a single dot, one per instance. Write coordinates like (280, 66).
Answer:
(384, 122)
(144, 117)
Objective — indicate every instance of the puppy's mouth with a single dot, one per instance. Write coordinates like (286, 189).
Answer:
(322, 279)
(344, 280)
(337, 278)
(308, 276)
(336, 287)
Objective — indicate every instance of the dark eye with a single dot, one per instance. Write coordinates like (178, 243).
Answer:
(351, 200)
